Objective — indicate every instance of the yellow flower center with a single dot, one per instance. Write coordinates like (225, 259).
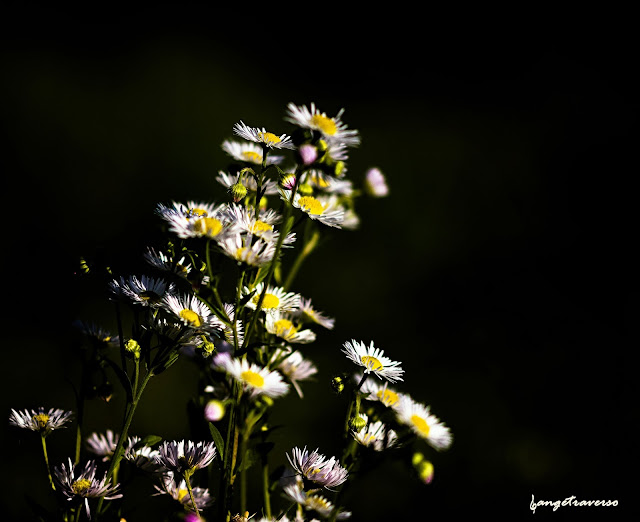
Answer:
(421, 425)
(284, 327)
(197, 212)
(181, 494)
(311, 204)
(270, 301)
(209, 226)
(319, 181)
(269, 138)
(191, 317)
(326, 125)
(80, 486)
(252, 156)
(388, 397)
(240, 253)
(42, 419)
(261, 226)
(371, 362)
(253, 378)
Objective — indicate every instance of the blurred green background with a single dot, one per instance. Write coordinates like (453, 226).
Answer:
(500, 269)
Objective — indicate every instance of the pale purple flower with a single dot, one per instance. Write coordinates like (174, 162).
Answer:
(185, 456)
(315, 467)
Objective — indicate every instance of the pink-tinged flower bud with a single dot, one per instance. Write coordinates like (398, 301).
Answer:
(288, 181)
(308, 154)
(192, 517)
(214, 410)
(375, 183)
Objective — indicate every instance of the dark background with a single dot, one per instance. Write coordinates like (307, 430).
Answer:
(500, 270)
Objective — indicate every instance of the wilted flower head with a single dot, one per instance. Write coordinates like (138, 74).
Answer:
(41, 420)
(76, 483)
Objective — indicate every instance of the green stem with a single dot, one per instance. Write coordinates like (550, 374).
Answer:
(243, 475)
(283, 233)
(118, 452)
(46, 459)
(193, 500)
(265, 487)
(302, 255)
(226, 468)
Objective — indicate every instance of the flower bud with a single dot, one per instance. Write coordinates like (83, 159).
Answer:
(338, 168)
(307, 154)
(425, 470)
(337, 383)
(288, 181)
(305, 189)
(238, 192)
(214, 410)
(357, 423)
(375, 183)
(132, 347)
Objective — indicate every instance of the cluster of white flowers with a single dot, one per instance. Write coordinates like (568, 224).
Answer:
(219, 293)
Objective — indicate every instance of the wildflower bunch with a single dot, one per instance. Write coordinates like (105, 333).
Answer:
(220, 292)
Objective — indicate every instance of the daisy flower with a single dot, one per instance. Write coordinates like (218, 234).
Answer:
(307, 313)
(331, 128)
(244, 249)
(423, 423)
(261, 136)
(317, 209)
(374, 391)
(255, 379)
(192, 312)
(104, 444)
(75, 483)
(269, 187)
(178, 490)
(329, 184)
(293, 366)
(373, 360)
(248, 153)
(185, 456)
(245, 220)
(312, 501)
(281, 325)
(167, 263)
(147, 291)
(316, 468)
(98, 335)
(41, 420)
(276, 299)
(375, 435)
(196, 220)
(144, 458)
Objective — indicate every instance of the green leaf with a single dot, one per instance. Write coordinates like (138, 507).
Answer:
(149, 440)
(217, 439)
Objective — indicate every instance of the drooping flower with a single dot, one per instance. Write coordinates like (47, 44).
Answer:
(307, 313)
(375, 391)
(372, 359)
(317, 468)
(192, 312)
(41, 420)
(167, 263)
(76, 483)
(255, 379)
(423, 423)
(293, 366)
